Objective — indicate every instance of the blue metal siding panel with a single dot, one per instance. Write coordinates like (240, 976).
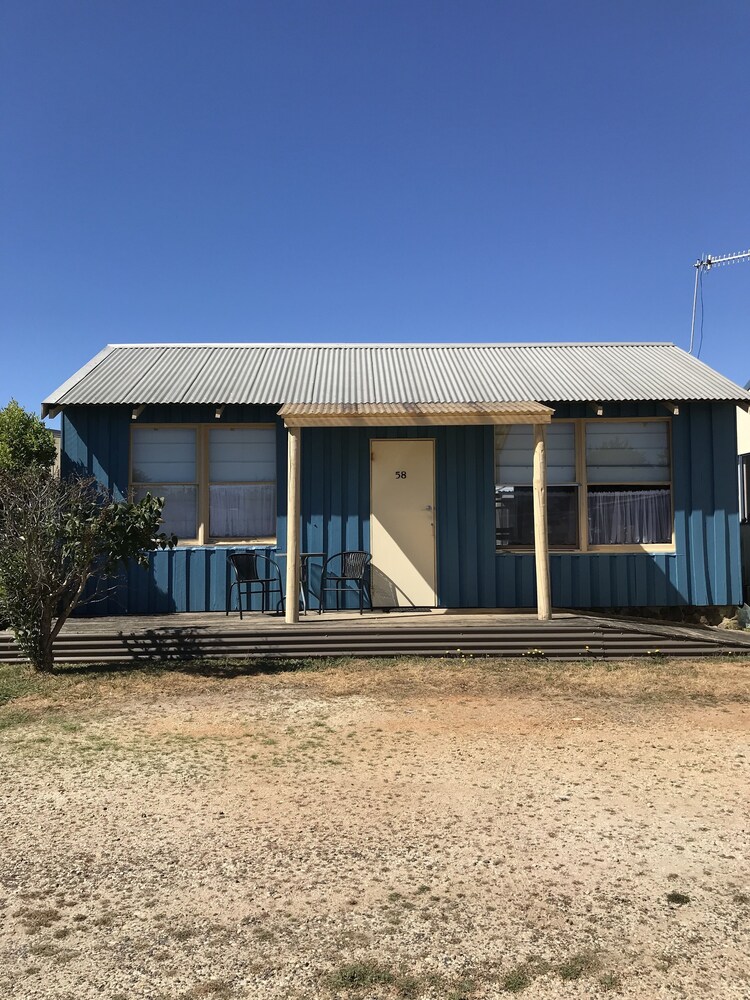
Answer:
(661, 581)
(486, 520)
(447, 504)
(95, 441)
(281, 494)
(352, 512)
(583, 589)
(680, 580)
(197, 567)
(180, 579)
(727, 571)
(717, 547)
(701, 481)
(466, 518)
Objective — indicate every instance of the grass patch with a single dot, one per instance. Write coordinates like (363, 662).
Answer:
(517, 979)
(356, 977)
(408, 987)
(464, 989)
(577, 966)
(35, 919)
(45, 949)
(360, 975)
(678, 898)
(610, 982)
(17, 682)
(216, 989)
(11, 719)
(27, 697)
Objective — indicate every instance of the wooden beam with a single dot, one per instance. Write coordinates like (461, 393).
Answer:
(598, 409)
(541, 544)
(294, 435)
(137, 411)
(673, 408)
(51, 411)
(410, 420)
(219, 412)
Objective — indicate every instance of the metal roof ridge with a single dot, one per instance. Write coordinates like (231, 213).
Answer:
(401, 344)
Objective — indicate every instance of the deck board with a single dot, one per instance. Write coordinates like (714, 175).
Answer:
(140, 638)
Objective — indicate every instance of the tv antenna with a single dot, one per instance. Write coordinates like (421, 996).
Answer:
(705, 264)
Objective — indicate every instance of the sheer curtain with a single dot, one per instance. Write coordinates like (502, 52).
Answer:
(243, 511)
(622, 517)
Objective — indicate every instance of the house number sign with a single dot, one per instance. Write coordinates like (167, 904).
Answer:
(400, 474)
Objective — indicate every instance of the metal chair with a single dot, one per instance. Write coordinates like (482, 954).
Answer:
(251, 568)
(339, 571)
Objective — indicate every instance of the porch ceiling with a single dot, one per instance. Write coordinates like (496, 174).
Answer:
(412, 414)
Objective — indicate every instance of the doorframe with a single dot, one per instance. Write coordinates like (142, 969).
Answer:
(433, 443)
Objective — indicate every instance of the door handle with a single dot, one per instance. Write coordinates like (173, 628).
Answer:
(427, 507)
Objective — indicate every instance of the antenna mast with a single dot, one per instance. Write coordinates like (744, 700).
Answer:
(705, 264)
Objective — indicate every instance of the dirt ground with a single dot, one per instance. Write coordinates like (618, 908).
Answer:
(432, 829)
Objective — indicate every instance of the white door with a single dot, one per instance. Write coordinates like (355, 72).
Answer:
(402, 523)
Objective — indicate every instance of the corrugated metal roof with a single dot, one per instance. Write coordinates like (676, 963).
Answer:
(135, 374)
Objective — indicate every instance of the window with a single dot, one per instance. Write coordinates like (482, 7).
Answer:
(242, 477)
(744, 482)
(164, 464)
(514, 501)
(612, 475)
(217, 482)
(629, 497)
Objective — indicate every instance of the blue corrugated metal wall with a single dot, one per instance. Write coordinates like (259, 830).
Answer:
(705, 569)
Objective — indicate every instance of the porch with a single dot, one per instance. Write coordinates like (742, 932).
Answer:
(436, 633)
(403, 493)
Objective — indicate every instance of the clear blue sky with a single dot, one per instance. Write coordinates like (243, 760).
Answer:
(367, 171)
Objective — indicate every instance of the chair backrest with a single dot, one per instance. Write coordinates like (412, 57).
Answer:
(354, 564)
(246, 566)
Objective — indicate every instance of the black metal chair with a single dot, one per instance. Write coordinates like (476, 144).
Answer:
(341, 570)
(251, 568)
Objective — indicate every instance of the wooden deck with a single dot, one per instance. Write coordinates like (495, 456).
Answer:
(417, 633)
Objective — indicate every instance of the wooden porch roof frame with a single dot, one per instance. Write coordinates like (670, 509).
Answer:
(412, 414)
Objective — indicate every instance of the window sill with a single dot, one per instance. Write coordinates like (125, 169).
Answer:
(667, 548)
(223, 543)
(593, 550)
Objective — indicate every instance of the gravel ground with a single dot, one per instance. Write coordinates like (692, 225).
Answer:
(286, 836)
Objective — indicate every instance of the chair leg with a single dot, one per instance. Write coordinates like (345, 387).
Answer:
(239, 598)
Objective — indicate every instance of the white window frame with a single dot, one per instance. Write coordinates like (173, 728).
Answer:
(203, 482)
(583, 485)
(743, 482)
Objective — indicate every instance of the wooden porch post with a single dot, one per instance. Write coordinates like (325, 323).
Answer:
(541, 546)
(292, 525)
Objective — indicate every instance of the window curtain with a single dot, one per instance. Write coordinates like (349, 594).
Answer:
(242, 511)
(629, 517)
